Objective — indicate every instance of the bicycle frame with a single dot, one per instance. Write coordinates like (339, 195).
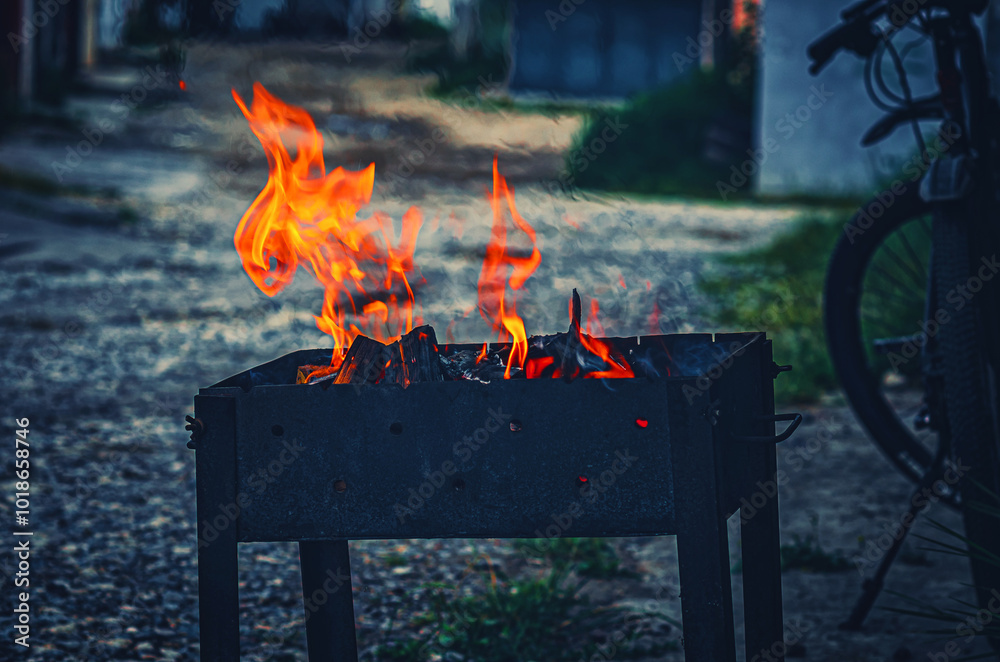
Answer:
(967, 176)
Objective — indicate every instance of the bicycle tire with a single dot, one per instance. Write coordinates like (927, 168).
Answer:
(842, 319)
(970, 393)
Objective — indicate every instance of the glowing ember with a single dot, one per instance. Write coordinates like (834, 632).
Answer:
(307, 217)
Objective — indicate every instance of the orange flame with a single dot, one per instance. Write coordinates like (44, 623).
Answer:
(306, 216)
(619, 367)
(500, 267)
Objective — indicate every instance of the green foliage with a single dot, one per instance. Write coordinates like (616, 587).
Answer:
(592, 557)
(663, 150)
(661, 147)
(779, 289)
(416, 25)
(394, 560)
(805, 553)
(487, 63)
(544, 617)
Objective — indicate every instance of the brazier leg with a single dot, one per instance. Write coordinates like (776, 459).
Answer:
(706, 595)
(762, 564)
(328, 600)
(702, 534)
(218, 567)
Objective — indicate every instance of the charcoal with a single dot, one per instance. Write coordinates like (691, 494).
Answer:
(467, 365)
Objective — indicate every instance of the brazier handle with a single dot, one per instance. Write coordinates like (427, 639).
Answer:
(795, 418)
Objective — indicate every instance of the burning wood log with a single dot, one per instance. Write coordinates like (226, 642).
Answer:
(414, 358)
(570, 364)
(364, 362)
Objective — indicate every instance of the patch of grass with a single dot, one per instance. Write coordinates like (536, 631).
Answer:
(806, 553)
(779, 289)
(592, 557)
(666, 144)
(394, 560)
(545, 617)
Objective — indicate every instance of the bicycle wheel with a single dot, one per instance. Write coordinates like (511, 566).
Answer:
(970, 388)
(881, 345)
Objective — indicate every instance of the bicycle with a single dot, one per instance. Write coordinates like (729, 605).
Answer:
(916, 350)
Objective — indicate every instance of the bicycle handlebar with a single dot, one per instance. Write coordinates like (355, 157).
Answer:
(855, 35)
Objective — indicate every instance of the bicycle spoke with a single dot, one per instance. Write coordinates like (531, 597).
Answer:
(921, 265)
(876, 321)
(889, 276)
(889, 298)
(902, 265)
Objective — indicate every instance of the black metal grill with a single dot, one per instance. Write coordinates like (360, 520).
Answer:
(511, 459)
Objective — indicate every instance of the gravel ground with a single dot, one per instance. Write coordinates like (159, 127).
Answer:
(111, 322)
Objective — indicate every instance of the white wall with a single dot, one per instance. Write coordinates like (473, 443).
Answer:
(822, 154)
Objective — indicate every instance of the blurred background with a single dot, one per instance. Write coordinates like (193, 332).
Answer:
(678, 162)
